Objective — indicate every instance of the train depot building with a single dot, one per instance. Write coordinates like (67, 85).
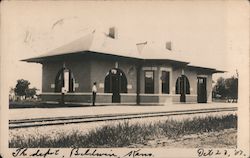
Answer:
(125, 73)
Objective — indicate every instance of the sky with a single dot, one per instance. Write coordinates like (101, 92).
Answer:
(210, 33)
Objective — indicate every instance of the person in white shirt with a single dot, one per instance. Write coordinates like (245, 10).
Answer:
(94, 90)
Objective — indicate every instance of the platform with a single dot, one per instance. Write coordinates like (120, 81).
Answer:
(32, 113)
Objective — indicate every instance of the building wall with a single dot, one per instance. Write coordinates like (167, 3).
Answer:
(209, 88)
(87, 71)
(80, 70)
(86, 98)
(174, 74)
(100, 68)
(157, 68)
(157, 97)
(129, 68)
(49, 72)
(192, 78)
(129, 98)
(98, 71)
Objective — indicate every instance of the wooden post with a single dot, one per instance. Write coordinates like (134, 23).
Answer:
(62, 99)
(62, 96)
(138, 86)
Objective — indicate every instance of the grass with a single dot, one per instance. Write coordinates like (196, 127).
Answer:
(125, 134)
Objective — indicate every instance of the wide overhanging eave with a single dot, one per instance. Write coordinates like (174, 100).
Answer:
(212, 70)
(33, 60)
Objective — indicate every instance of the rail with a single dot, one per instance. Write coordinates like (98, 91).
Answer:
(25, 123)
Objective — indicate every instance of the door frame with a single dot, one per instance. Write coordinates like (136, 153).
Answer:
(116, 78)
(182, 87)
(201, 93)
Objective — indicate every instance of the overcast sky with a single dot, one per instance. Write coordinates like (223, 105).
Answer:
(212, 33)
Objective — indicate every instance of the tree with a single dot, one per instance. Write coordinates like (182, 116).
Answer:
(226, 88)
(220, 88)
(31, 92)
(22, 89)
(232, 88)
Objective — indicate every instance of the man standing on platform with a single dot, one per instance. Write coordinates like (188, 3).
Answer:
(94, 90)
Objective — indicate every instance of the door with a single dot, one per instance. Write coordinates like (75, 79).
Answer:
(201, 90)
(115, 83)
(116, 97)
(182, 89)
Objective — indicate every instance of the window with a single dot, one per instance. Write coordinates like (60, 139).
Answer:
(64, 78)
(182, 85)
(165, 82)
(200, 80)
(149, 81)
(115, 82)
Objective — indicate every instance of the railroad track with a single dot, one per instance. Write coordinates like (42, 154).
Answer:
(25, 123)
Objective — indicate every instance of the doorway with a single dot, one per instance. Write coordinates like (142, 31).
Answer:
(64, 78)
(182, 87)
(115, 83)
(201, 90)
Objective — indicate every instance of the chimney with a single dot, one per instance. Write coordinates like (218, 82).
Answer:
(113, 32)
(140, 46)
(169, 45)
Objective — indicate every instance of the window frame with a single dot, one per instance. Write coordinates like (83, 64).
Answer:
(186, 85)
(162, 88)
(153, 82)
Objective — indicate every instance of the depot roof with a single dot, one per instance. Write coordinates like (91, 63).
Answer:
(102, 43)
